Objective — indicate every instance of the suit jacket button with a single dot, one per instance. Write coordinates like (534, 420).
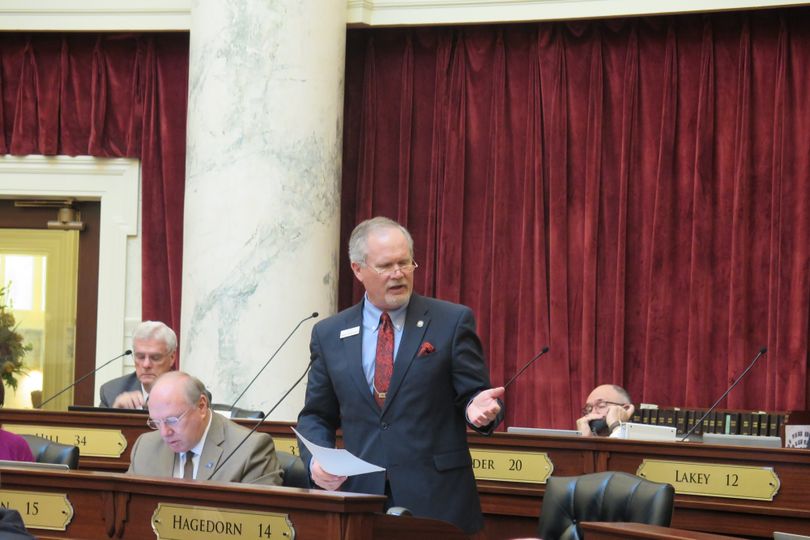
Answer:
(384, 425)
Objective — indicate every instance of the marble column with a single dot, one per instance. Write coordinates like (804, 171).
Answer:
(262, 204)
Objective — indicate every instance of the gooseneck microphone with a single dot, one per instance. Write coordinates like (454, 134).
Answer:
(262, 419)
(530, 362)
(83, 377)
(297, 326)
(762, 351)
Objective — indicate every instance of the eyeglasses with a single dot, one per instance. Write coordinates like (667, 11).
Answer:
(169, 422)
(599, 406)
(154, 358)
(389, 270)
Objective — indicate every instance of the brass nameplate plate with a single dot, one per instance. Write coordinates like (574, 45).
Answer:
(108, 443)
(50, 511)
(511, 466)
(287, 444)
(712, 479)
(183, 522)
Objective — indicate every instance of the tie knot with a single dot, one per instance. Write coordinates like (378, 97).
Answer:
(189, 455)
(385, 318)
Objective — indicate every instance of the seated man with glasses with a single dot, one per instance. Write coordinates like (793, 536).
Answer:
(607, 407)
(191, 441)
(154, 345)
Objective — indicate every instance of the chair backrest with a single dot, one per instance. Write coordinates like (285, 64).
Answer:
(236, 412)
(295, 473)
(47, 451)
(605, 496)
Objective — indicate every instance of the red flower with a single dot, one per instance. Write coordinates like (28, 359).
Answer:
(425, 349)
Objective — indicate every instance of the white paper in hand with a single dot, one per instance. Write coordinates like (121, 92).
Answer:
(338, 461)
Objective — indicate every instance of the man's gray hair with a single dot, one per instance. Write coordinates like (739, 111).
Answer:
(158, 331)
(191, 387)
(622, 392)
(358, 241)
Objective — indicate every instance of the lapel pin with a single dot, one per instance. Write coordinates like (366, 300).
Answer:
(209, 464)
(420, 324)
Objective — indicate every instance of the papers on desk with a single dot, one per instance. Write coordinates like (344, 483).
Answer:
(338, 461)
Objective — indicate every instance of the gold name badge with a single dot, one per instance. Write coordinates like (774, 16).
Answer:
(287, 444)
(182, 522)
(50, 511)
(713, 480)
(511, 466)
(91, 441)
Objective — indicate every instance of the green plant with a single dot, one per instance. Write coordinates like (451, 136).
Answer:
(12, 349)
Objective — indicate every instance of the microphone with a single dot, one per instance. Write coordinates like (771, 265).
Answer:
(83, 377)
(530, 362)
(302, 321)
(762, 351)
(264, 417)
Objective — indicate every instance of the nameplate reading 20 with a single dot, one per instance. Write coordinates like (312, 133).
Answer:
(182, 522)
(50, 511)
(93, 442)
(713, 480)
(511, 466)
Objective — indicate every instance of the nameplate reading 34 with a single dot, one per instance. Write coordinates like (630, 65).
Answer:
(183, 522)
(713, 480)
(511, 466)
(50, 511)
(109, 443)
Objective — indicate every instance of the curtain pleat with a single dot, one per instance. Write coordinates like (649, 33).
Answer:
(632, 193)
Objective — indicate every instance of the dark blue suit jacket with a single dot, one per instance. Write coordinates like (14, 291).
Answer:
(420, 434)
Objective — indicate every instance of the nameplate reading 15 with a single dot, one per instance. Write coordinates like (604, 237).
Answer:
(712, 479)
(50, 511)
(287, 444)
(511, 466)
(94, 442)
(183, 522)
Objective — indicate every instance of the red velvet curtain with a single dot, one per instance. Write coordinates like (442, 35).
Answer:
(109, 96)
(633, 193)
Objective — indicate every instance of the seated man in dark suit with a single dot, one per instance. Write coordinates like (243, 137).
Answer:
(607, 406)
(191, 440)
(154, 347)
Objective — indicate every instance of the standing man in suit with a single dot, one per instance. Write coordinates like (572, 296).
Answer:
(403, 376)
(191, 440)
(155, 346)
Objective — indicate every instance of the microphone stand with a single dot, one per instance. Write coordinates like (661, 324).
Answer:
(302, 321)
(762, 351)
(83, 377)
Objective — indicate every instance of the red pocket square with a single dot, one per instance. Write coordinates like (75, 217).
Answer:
(425, 349)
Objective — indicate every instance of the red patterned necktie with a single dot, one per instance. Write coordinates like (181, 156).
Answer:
(384, 363)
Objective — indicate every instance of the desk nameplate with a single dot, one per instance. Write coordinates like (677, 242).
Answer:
(712, 479)
(186, 522)
(51, 511)
(511, 465)
(286, 444)
(95, 442)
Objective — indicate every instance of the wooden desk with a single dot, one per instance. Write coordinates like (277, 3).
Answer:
(624, 531)
(113, 505)
(511, 509)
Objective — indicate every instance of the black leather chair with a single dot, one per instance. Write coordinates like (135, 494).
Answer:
(605, 496)
(236, 412)
(295, 473)
(47, 451)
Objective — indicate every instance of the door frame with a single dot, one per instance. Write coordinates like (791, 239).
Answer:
(116, 184)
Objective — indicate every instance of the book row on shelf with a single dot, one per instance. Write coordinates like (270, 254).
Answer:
(727, 422)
